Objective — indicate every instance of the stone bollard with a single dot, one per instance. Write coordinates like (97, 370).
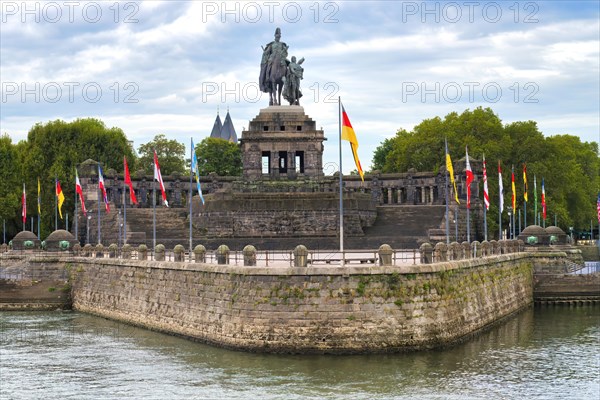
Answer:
(385, 254)
(77, 250)
(222, 254)
(126, 251)
(440, 252)
(475, 249)
(249, 255)
(142, 252)
(504, 249)
(454, 251)
(3, 248)
(494, 248)
(486, 248)
(300, 256)
(179, 253)
(113, 249)
(466, 250)
(520, 245)
(99, 251)
(159, 252)
(200, 254)
(426, 251)
(87, 250)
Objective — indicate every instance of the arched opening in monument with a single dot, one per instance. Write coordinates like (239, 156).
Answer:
(300, 162)
(283, 162)
(266, 162)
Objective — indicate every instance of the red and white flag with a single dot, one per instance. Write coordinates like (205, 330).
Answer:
(79, 191)
(128, 182)
(24, 204)
(469, 179)
(158, 177)
(500, 189)
(543, 201)
(486, 193)
(103, 188)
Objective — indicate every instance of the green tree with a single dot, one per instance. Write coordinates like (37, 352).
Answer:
(571, 169)
(54, 149)
(219, 156)
(170, 153)
(11, 186)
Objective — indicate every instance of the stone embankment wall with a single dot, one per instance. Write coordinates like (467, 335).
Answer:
(34, 281)
(303, 310)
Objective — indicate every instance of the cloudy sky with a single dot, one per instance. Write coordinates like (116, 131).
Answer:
(167, 66)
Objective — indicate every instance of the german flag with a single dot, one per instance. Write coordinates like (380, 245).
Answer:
(349, 135)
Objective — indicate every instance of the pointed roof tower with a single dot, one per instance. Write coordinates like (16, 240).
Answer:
(228, 131)
(216, 130)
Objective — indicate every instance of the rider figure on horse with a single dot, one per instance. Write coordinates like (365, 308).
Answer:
(273, 68)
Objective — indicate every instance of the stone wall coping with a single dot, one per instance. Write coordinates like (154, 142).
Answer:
(314, 271)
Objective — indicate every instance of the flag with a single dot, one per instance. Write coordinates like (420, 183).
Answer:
(158, 177)
(535, 197)
(486, 193)
(451, 173)
(514, 191)
(103, 189)
(39, 199)
(195, 170)
(598, 207)
(525, 182)
(79, 191)
(469, 179)
(543, 200)
(24, 205)
(128, 182)
(61, 198)
(500, 189)
(349, 135)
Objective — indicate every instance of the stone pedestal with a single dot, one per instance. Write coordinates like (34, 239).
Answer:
(282, 142)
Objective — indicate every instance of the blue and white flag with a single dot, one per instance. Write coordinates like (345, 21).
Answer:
(195, 170)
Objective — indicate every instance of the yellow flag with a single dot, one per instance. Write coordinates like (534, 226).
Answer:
(451, 172)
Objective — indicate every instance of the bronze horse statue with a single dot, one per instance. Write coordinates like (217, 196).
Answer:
(273, 68)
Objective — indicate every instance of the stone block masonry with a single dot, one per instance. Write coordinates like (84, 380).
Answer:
(308, 310)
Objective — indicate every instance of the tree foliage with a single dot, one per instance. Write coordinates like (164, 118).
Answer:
(219, 156)
(170, 153)
(571, 169)
(53, 150)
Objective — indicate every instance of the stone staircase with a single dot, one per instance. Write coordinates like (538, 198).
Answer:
(404, 226)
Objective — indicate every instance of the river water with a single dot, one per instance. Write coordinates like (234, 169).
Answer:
(542, 353)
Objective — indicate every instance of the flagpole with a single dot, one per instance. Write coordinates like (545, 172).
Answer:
(98, 193)
(191, 190)
(500, 202)
(55, 204)
(154, 210)
(524, 215)
(341, 183)
(76, 212)
(446, 177)
(24, 208)
(124, 205)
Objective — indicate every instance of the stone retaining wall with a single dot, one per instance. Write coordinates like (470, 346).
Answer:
(304, 310)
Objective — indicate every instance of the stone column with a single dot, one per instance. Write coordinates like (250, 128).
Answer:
(389, 195)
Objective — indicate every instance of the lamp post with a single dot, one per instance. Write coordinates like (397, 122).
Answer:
(87, 228)
(571, 233)
(509, 210)
(120, 225)
(456, 222)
